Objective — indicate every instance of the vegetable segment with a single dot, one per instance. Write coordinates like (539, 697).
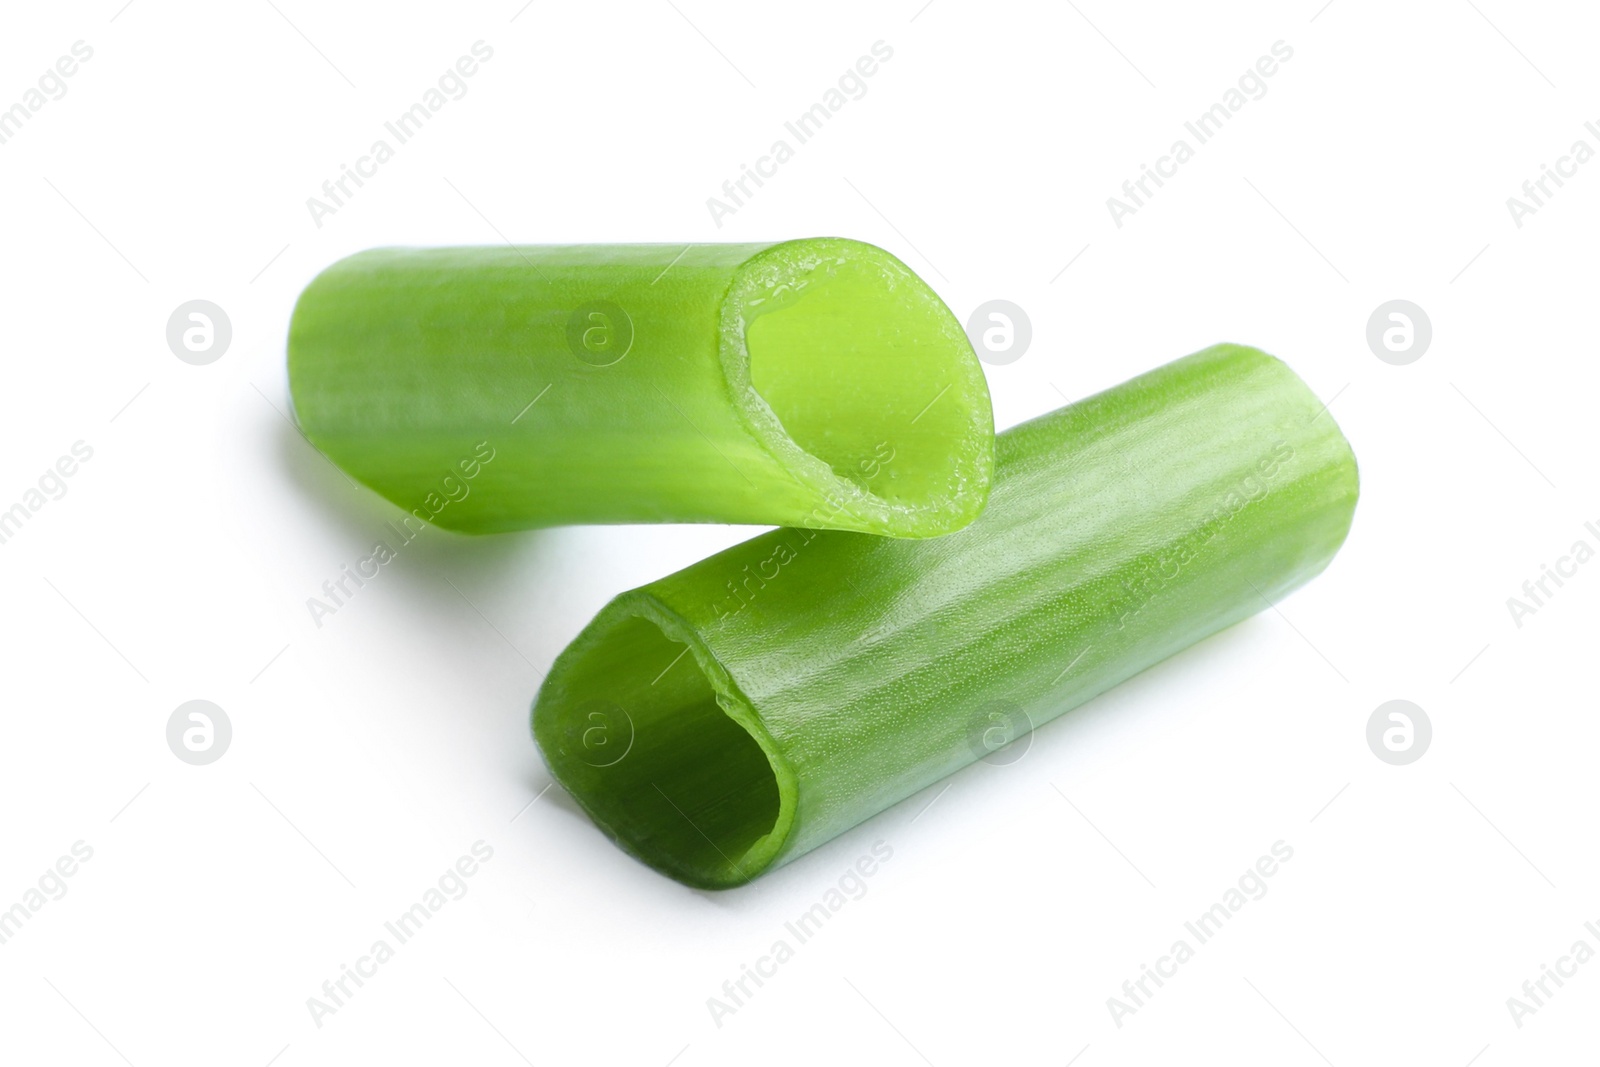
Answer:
(815, 383)
(743, 711)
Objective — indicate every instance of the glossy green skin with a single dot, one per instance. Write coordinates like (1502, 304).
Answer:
(408, 366)
(1120, 530)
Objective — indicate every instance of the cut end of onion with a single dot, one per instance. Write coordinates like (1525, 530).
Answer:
(860, 380)
(651, 737)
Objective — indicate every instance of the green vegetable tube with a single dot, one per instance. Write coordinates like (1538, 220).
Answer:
(734, 715)
(816, 383)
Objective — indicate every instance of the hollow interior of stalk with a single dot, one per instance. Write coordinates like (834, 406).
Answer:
(856, 357)
(692, 792)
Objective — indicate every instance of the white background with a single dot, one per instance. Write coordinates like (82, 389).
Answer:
(369, 754)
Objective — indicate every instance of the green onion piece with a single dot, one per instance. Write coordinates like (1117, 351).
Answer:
(747, 709)
(816, 383)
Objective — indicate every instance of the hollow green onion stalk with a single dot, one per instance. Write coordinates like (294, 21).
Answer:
(815, 383)
(735, 715)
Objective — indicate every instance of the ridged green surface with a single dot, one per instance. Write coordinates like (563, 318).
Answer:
(829, 675)
(814, 383)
